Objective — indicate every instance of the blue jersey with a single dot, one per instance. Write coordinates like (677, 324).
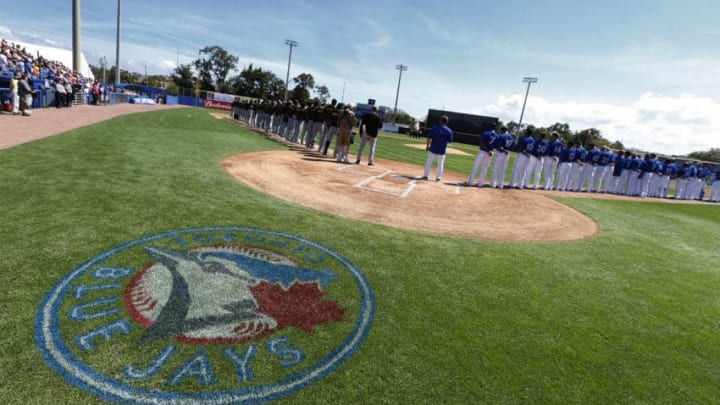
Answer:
(556, 147)
(647, 166)
(505, 143)
(717, 175)
(568, 155)
(670, 169)
(440, 135)
(488, 140)
(541, 148)
(581, 154)
(526, 145)
(619, 165)
(593, 156)
(606, 158)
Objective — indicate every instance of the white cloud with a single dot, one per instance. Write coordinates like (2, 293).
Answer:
(652, 122)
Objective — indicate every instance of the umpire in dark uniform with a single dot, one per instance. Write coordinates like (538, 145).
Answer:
(370, 124)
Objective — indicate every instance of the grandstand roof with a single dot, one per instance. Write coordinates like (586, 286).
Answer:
(63, 55)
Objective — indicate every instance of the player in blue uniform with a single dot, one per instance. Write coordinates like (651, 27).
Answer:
(634, 178)
(592, 159)
(669, 172)
(647, 172)
(535, 164)
(580, 157)
(715, 189)
(567, 160)
(483, 158)
(502, 147)
(550, 163)
(525, 148)
(438, 138)
(618, 163)
(604, 171)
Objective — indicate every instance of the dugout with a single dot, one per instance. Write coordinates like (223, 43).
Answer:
(467, 128)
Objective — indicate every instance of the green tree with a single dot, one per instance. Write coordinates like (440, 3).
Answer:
(304, 83)
(617, 145)
(323, 93)
(217, 63)
(182, 76)
(712, 155)
(402, 117)
(257, 83)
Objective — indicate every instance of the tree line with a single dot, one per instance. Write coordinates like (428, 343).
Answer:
(213, 67)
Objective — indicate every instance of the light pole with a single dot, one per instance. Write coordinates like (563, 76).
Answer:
(529, 81)
(76, 36)
(291, 44)
(401, 68)
(117, 48)
(103, 63)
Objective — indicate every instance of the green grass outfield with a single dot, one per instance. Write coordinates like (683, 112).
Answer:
(629, 316)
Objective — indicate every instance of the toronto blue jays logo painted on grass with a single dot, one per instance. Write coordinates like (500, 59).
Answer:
(216, 315)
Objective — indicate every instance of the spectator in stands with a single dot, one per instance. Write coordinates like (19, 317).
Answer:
(3, 60)
(95, 93)
(26, 94)
(14, 98)
(68, 92)
(60, 92)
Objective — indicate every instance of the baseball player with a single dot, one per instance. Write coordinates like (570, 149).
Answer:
(484, 157)
(551, 161)
(715, 190)
(536, 163)
(604, 173)
(504, 144)
(669, 171)
(634, 177)
(438, 138)
(618, 164)
(525, 148)
(567, 159)
(578, 167)
(647, 173)
(587, 177)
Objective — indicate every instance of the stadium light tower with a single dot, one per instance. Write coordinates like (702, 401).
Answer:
(77, 67)
(401, 68)
(529, 81)
(291, 44)
(117, 49)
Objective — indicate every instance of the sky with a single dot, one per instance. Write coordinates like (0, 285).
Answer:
(642, 72)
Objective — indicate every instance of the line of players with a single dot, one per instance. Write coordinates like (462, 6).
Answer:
(304, 124)
(571, 167)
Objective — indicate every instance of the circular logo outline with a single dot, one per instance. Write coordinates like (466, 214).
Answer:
(58, 356)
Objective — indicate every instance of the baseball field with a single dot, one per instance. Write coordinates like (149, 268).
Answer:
(428, 292)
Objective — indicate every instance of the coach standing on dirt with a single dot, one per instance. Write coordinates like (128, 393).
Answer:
(438, 138)
(370, 124)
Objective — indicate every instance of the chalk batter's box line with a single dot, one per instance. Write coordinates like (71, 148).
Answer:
(412, 183)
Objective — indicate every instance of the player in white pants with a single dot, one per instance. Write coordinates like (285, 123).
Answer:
(715, 190)
(551, 160)
(567, 161)
(525, 148)
(504, 144)
(483, 158)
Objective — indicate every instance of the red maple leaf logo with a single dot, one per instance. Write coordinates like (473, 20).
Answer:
(300, 306)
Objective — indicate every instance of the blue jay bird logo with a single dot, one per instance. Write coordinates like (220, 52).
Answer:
(206, 294)
(211, 315)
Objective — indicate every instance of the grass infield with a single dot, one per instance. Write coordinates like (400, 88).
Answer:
(629, 316)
